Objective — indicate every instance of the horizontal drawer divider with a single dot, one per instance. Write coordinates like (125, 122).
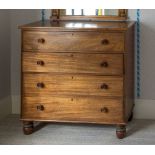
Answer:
(84, 74)
(80, 52)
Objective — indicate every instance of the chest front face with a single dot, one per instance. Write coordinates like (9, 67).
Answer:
(75, 76)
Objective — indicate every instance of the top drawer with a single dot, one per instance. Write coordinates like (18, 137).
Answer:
(73, 41)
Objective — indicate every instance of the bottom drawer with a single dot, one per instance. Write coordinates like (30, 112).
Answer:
(73, 109)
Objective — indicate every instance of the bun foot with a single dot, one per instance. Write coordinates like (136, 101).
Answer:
(121, 131)
(27, 127)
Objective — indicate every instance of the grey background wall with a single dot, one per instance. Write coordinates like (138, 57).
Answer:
(144, 105)
(5, 55)
(148, 54)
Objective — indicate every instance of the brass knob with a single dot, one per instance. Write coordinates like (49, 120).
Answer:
(104, 86)
(40, 85)
(104, 64)
(105, 42)
(104, 109)
(40, 107)
(40, 62)
(41, 40)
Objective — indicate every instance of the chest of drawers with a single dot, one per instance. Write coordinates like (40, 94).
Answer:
(77, 74)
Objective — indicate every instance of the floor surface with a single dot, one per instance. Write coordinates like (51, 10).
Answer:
(138, 132)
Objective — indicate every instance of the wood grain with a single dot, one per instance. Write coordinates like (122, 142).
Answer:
(64, 78)
(71, 84)
(73, 108)
(80, 26)
(73, 41)
(73, 63)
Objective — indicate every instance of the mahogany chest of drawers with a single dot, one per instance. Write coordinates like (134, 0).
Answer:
(77, 72)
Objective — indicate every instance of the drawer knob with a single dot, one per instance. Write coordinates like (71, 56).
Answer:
(41, 40)
(104, 64)
(41, 63)
(40, 107)
(104, 86)
(104, 109)
(40, 85)
(105, 42)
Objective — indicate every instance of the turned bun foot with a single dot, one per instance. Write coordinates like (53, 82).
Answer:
(27, 127)
(121, 131)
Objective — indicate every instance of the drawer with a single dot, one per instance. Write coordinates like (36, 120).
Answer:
(73, 108)
(73, 41)
(104, 64)
(63, 84)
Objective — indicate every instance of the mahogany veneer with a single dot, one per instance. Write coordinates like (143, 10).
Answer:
(81, 72)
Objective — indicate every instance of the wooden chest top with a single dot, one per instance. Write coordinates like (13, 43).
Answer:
(78, 26)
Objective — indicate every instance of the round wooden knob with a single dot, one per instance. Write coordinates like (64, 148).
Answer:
(72, 55)
(104, 64)
(104, 86)
(104, 109)
(105, 42)
(40, 107)
(41, 40)
(41, 63)
(40, 85)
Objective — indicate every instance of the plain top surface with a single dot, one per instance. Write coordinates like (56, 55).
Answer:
(79, 25)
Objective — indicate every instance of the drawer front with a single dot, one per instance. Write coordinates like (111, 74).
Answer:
(104, 64)
(73, 108)
(73, 41)
(48, 84)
